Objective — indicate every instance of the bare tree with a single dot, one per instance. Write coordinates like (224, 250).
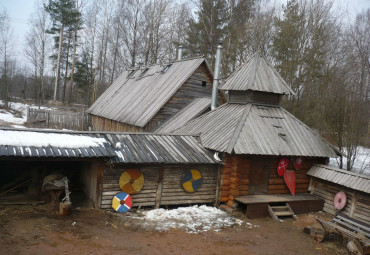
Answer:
(6, 49)
(38, 44)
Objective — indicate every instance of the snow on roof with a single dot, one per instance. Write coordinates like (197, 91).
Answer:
(37, 139)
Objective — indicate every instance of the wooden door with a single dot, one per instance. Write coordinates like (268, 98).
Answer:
(259, 176)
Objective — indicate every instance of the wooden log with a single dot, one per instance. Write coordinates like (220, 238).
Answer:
(243, 192)
(224, 199)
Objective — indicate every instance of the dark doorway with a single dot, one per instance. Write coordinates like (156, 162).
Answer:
(259, 176)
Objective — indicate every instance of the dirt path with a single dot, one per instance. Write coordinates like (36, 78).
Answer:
(30, 230)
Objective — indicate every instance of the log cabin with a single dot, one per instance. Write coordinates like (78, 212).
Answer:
(254, 132)
(144, 98)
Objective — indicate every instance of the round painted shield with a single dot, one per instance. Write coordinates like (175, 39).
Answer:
(340, 200)
(298, 161)
(192, 180)
(122, 202)
(282, 166)
(131, 181)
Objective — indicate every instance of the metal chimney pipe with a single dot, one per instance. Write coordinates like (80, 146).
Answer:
(179, 52)
(216, 76)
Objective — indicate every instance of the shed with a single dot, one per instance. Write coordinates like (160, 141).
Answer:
(95, 161)
(143, 98)
(163, 160)
(327, 181)
(30, 155)
(254, 132)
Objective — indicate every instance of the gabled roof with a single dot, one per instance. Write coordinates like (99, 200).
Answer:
(115, 147)
(257, 74)
(191, 111)
(345, 178)
(137, 95)
(258, 130)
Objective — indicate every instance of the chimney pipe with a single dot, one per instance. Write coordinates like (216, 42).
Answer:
(216, 76)
(179, 52)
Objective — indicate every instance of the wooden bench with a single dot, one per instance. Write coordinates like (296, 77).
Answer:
(355, 232)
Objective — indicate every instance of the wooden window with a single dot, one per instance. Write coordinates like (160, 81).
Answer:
(145, 71)
(166, 68)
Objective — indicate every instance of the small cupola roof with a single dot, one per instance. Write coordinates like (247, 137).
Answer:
(257, 74)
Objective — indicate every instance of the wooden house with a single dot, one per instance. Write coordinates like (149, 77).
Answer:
(327, 181)
(253, 132)
(94, 162)
(142, 99)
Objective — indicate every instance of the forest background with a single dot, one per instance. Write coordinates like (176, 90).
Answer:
(323, 55)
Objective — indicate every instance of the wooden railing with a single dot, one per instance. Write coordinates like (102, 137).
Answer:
(41, 118)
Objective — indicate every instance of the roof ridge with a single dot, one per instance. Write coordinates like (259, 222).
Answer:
(238, 128)
(310, 130)
(279, 76)
(89, 132)
(164, 63)
(237, 69)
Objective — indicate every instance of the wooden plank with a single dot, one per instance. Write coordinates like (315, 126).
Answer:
(159, 188)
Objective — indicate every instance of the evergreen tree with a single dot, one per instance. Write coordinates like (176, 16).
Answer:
(63, 14)
(207, 28)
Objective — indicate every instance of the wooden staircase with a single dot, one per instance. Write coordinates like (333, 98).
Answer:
(277, 211)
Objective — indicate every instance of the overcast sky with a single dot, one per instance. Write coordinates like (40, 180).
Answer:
(20, 10)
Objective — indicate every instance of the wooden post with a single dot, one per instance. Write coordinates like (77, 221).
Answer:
(311, 187)
(217, 196)
(99, 185)
(28, 114)
(353, 204)
(159, 188)
(47, 118)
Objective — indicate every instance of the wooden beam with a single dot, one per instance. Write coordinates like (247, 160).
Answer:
(217, 197)
(159, 188)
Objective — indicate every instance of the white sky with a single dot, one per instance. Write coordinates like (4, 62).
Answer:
(20, 10)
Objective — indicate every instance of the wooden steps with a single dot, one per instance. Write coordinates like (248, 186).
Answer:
(277, 211)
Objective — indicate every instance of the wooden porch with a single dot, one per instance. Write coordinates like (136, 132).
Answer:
(257, 205)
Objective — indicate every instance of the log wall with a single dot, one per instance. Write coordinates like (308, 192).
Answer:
(90, 179)
(162, 185)
(235, 176)
(358, 203)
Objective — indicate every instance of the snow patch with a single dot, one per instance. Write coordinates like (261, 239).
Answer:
(361, 164)
(193, 219)
(27, 139)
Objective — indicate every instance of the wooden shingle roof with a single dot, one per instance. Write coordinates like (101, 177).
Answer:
(257, 74)
(137, 95)
(341, 177)
(191, 111)
(258, 130)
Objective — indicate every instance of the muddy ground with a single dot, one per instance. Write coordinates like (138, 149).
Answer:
(31, 230)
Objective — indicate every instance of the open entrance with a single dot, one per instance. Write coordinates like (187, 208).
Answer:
(21, 181)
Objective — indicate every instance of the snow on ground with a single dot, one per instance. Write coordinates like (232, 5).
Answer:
(9, 117)
(192, 219)
(361, 164)
(27, 139)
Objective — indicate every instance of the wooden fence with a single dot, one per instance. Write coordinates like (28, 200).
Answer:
(41, 118)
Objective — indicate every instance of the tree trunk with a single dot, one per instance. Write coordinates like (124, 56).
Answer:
(73, 69)
(58, 63)
(66, 72)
